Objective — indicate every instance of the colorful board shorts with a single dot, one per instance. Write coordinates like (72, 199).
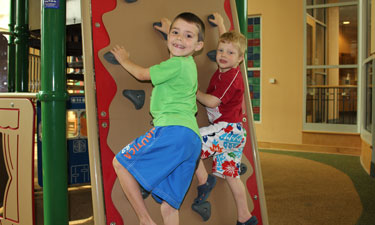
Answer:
(163, 161)
(224, 142)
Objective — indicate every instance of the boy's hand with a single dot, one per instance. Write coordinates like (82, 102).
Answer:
(120, 53)
(165, 25)
(135, 70)
(218, 19)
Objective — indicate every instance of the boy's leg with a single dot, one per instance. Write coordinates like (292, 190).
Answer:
(132, 191)
(239, 194)
(205, 183)
(201, 173)
(170, 215)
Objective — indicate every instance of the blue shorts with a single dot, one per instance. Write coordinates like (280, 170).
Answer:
(163, 161)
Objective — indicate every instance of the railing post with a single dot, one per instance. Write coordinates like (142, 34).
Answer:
(11, 47)
(22, 47)
(53, 98)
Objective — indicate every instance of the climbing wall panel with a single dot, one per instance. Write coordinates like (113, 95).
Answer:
(130, 23)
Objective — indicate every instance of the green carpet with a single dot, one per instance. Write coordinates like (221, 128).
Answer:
(351, 166)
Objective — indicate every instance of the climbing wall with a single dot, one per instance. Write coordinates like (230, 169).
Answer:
(130, 23)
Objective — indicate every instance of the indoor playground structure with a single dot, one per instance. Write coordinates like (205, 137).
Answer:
(112, 111)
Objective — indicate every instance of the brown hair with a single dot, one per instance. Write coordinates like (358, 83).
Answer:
(192, 18)
(236, 39)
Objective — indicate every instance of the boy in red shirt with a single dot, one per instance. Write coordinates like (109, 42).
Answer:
(225, 138)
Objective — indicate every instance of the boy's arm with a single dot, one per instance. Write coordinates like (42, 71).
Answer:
(219, 21)
(135, 70)
(208, 100)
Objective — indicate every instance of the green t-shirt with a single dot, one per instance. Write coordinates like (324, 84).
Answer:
(173, 99)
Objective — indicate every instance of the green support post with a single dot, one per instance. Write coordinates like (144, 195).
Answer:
(22, 47)
(242, 20)
(11, 47)
(242, 15)
(53, 96)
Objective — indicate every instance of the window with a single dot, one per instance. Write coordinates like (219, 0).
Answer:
(369, 64)
(368, 104)
(76, 124)
(331, 68)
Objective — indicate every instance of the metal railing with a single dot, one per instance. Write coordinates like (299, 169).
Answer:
(72, 76)
(331, 104)
(34, 70)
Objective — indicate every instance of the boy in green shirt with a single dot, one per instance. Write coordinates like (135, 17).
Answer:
(164, 159)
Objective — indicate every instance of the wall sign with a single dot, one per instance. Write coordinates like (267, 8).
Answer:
(51, 4)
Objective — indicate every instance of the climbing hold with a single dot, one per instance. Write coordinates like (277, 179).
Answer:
(203, 209)
(243, 168)
(212, 55)
(137, 97)
(158, 24)
(144, 193)
(110, 58)
(211, 17)
(130, 1)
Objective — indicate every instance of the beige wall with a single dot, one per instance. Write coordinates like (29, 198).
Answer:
(281, 58)
(34, 15)
(344, 43)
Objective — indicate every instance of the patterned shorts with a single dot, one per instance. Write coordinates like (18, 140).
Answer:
(225, 143)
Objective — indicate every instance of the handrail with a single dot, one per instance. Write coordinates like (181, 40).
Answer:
(6, 33)
(332, 86)
(18, 95)
(332, 104)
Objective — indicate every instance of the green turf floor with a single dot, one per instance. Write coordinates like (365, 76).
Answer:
(350, 165)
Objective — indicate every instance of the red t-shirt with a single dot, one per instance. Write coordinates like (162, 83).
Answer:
(229, 88)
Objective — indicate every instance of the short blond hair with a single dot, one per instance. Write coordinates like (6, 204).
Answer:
(236, 39)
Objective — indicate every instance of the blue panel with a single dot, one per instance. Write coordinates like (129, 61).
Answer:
(77, 148)
(76, 102)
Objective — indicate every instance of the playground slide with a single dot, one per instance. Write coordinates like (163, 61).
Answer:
(122, 103)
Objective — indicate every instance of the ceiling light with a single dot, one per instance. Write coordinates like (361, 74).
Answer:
(346, 22)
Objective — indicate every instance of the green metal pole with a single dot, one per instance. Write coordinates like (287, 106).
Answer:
(11, 47)
(22, 47)
(242, 15)
(53, 96)
(242, 19)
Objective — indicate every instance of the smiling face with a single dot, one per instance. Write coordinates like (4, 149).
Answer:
(228, 56)
(183, 38)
